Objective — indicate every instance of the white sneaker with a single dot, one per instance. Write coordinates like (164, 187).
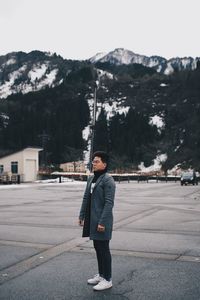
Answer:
(103, 285)
(96, 279)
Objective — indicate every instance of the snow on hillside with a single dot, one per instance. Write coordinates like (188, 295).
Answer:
(121, 56)
(6, 88)
(158, 122)
(49, 80)
(169, 69)
(102, 73)
(39, 79)
(97, 57)
(110, 107)
(156, 166)
(37, 72)
(11, 61)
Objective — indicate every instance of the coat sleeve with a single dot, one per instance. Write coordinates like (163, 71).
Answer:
(84, 202)
(109, 195)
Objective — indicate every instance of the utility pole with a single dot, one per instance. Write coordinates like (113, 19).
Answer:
(93, 127)
(44, 138)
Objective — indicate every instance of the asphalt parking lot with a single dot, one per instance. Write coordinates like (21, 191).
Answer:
(155, 245)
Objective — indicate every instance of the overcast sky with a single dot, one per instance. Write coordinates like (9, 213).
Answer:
(78, 29)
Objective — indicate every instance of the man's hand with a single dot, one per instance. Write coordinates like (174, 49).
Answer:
(80, 222)
(100, 228)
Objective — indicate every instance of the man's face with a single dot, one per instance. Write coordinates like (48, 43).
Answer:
(98, 165)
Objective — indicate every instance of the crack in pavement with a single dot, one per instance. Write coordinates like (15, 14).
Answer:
(129, 278)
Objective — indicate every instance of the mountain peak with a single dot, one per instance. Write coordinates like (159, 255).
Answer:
(97, 57)
(121, 56)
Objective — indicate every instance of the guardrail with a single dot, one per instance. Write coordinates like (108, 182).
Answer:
(128, 177)
(118, 177)
(145, 178)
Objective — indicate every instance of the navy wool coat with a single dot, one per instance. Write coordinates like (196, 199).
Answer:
(102, 202)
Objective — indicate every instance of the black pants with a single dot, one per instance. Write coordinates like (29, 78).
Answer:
(103, 258)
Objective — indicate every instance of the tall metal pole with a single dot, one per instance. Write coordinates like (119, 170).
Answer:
(93, 128)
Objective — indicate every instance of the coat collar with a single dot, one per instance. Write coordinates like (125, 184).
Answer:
(98, 180)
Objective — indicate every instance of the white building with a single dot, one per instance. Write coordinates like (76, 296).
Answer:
(76, 166)
(24, 163)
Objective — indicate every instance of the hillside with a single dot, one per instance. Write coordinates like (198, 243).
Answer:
(142, 114)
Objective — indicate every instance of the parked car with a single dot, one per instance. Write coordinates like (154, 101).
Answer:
(189, 178)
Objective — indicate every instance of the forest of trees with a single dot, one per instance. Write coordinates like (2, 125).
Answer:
(54, 118)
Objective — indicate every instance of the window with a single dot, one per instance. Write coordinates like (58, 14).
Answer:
(14, 167)
(1, 169)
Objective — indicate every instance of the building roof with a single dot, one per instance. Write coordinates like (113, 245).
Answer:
(17, 151)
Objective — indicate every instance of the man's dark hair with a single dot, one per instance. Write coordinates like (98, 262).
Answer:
(103, 155)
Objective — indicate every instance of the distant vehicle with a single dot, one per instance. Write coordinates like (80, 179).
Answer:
(189, 178)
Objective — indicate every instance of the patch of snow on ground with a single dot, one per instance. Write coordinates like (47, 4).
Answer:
(26, 88)
(169, 69)
(6, 88)
(111, 110)
(61, 81)
(159, 68)
(176, 170)
(86, 133)
(158, 122)
(65, 181)
(153, 62)
(123, 110)
(185, 62)
(16, 74)
(106, 90)
(176, 149)
(50, 78)
(107, 74)
(156, 165)
(91, 105)
(37, 72)
(11, 61)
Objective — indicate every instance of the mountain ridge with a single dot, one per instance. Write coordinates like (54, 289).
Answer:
(121, 56)
(25, 72)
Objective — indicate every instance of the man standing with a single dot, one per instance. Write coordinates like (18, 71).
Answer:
(96, 217)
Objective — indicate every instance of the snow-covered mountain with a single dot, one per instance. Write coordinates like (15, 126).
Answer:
(139, 116)
(29, 72)
(122, 56)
